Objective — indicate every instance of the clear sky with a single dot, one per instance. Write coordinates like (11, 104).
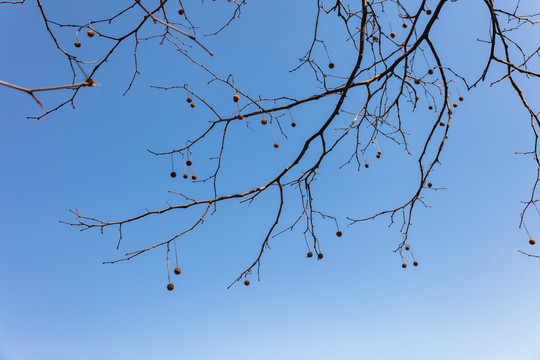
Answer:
(472, 297)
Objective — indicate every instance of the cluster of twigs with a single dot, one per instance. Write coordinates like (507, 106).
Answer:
(393, 71)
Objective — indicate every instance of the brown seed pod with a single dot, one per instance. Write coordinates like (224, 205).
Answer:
(441, 123)
(264, 121)
(461, 98)
(185, 176)
(415, 263)
(379, 152)
(276, 145)
(189, 163)
(404, 265)
(339, 233)
(240, 116)
(366, 166)
(378, 156)
(90, 33)
(454, 105)
(77, 44)
(430, 71)
(392, 34)
(309, 254)
(429, 185)
(404, 25)
(532, 242)
(331, 65)
(428, 12)
(170, 287)
(236, 98)
(189, 99)
(246, 282)
(194, 177)
(320, 256)
(192, 105)
(407, 247)
(417, 81)
(293, 124)
(181, 12)
(173, 174)
(430, 107)
(177, 271)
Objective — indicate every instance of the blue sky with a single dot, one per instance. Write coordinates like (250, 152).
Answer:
(472, 297)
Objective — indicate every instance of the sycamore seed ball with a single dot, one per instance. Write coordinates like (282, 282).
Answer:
(331, 65)
(407, 247)
(429, 185)
(189, 99)
(173, 174)
(276, 145)
(309, 254)
(430, 71)
(404, 25)
(185, 176)
(293, 124)
(188, 163)
(428, 12)
(404, 265)
(90, 33)
(392, 34)
(415, 263)
(236, 98)
(181, 12)
(461, 98)
(192, 105)
(170, 287)
(532, 242)
(246, 282)
(264, 121)
(194, 177)
(77, 44)
(417, 81)
(339, 233)
(320, 256)
(177, 271)
(240, 116)
(430, 107)
(366, 166)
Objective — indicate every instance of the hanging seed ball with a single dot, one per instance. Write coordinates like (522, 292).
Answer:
(236, 98)
(90, 33)
(192, 105)
(309, 254)
(185, 176)
(407, 247)
(170, 287)
(461, 98)
(339, 233)
(177, 271)
(331, 65)
(77, 44)
(320, 256)
(378, 156)
(189, 163)
(293, 124)
(404, 25)
(417, 81)
(392, 34)
(264, 121)
(404, 265)
(454, 105)
(194, 177)
(276, 145)
(240, 116)
(441, 123)
(430, 107)
(189, 99)
(429, 185)
(246, 282)
(532, 241)
(415, 263)
(181, 12)
(367, 166)
(428, 12)
(430, 71)
(173, 174)
(379, 152)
